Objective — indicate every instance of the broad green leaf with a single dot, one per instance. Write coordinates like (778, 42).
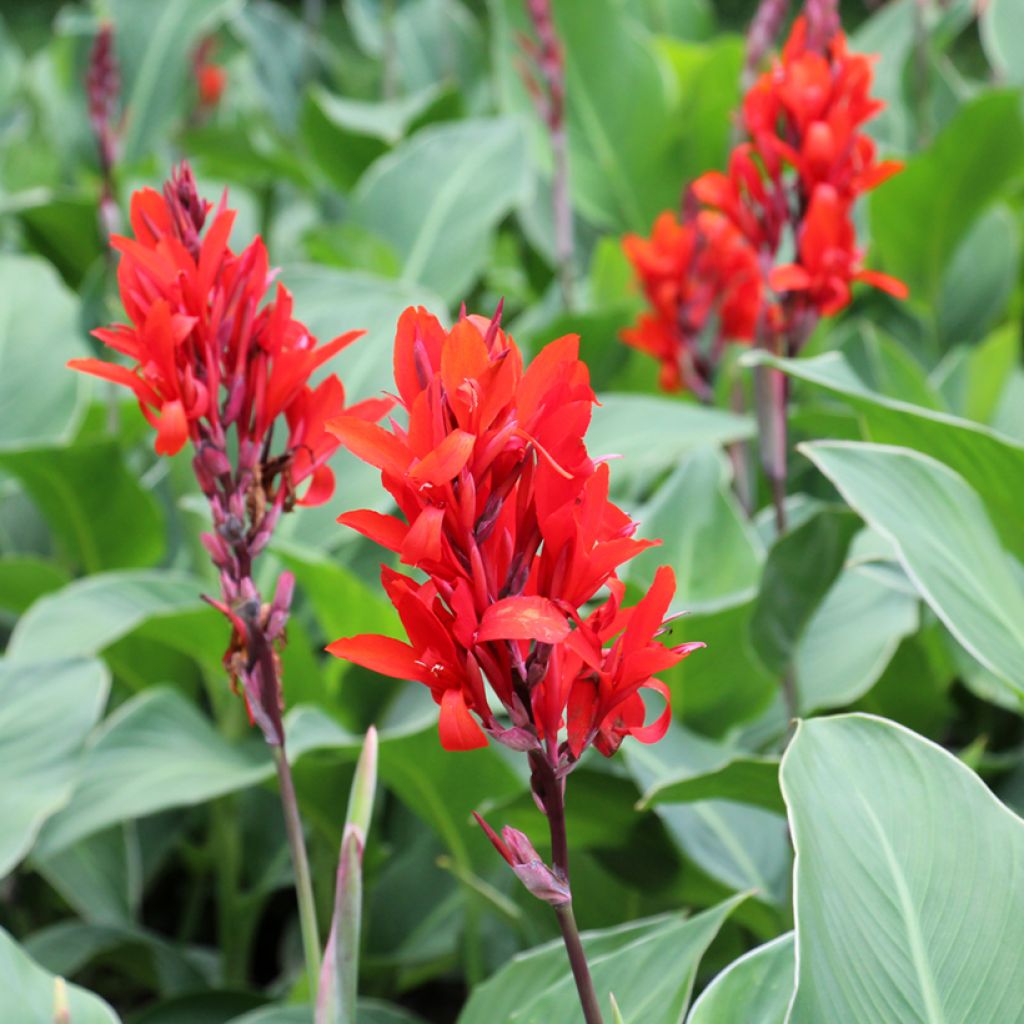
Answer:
(93, 504)
(444, 789)
(946, 187)
(907, 906)
(747, 780)
(91, 613)
(25, 578)
(981, 276)
(154, 752)
(99, 877)
(649, 965)
(755, 989)
(651, 433)
(620, 127)
(437, 198)
(740, 845)
(1002, 35)
(850, 639)
(332, 301)
(279, 46)
(992, 463)
(436, 41)
(46, 712)
(171, 968)
(158, 751)
(886, 367)
(40, 399)
(713, 549)
(29, 991)
(945, 542)
(371, 1011)
(975, 378)
(346, 135)
(697, 692)
(61, 225)
(801, 567)
(687, 19)
(154, 43)
(708, 80)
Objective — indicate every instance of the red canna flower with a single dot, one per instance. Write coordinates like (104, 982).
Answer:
(702, 281)
(805, 165)
(790, 186)
(211, 78)
(829, 259)
(208, 354)
(504, 510)
(806, 112)
(214, 362)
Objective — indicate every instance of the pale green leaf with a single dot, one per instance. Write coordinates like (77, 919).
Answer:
(28, 992)
(46, 711)
(945, 541)
(908, 901)
(755, 989)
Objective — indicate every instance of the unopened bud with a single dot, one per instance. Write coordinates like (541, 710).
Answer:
(546, 884)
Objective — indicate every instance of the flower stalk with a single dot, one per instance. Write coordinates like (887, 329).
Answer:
(218, 364)
(544, 77)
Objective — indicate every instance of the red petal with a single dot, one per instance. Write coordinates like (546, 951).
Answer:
(789, 278)
(580, 714)
(649, 613)
(458, 729)
(423, 541)
(370, 443)
(892, 285)
(523, 618)
(320, 489)
(446, 461)
(118, 374)
(171, 429)
(324, 352)
(371, 409)
(381, 654)
(654, 732)
(417, 330)
(387, 531)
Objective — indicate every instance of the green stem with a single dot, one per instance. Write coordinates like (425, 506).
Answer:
(300, 864)
(224, 839)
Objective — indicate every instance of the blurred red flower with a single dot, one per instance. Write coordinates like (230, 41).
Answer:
(211, 78)
(508, 516)
(703, 284)
(789, 188)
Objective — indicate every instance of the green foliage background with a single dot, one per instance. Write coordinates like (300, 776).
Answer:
(389, 154)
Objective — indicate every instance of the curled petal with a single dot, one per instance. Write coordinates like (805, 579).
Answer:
(457, 727)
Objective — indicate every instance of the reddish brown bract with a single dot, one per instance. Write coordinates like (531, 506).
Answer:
(504, 510)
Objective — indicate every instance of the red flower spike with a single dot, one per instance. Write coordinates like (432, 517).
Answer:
(211, 79)
(701, 278)
(504, 510)
(210, 353)
(714, 277)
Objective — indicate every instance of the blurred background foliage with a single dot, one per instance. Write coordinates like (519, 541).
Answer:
(390, 154)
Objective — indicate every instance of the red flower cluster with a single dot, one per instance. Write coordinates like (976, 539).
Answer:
(211, 78)
(208, 354)
(506, 513)
(702, 281)
(793, 183)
